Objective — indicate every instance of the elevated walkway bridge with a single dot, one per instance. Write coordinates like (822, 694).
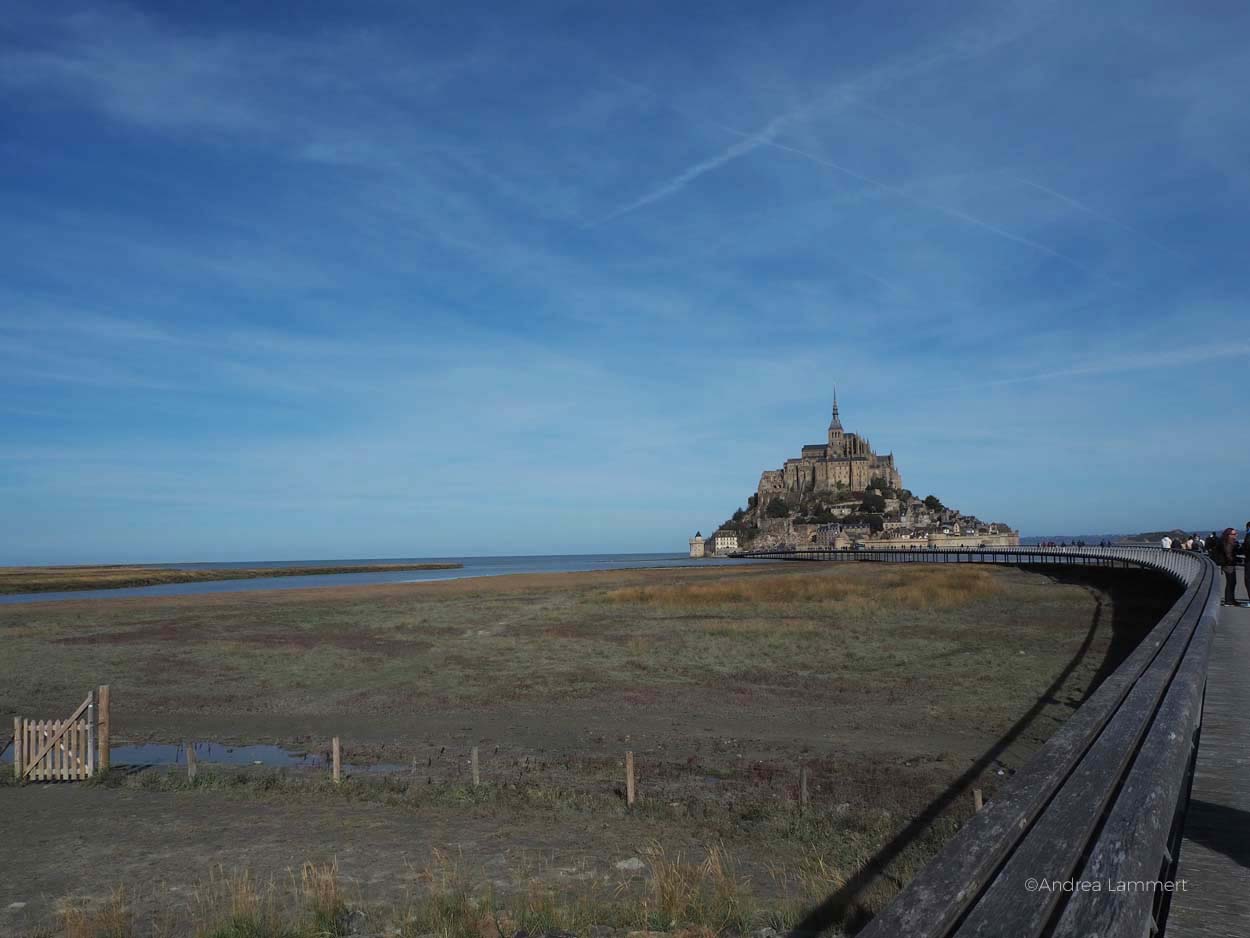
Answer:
(1133, 820)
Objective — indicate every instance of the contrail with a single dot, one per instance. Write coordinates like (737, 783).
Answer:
(767, 136)
(741, 148)
(904, 194)
(968, 46)
(1096, 214)
(885, 115)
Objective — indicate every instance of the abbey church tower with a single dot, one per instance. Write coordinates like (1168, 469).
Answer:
(837, 438)
(845, 462)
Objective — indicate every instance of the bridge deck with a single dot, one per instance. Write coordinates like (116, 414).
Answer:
(1215, 853)
(1103, 801)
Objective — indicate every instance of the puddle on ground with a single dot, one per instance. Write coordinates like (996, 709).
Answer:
(209, 753)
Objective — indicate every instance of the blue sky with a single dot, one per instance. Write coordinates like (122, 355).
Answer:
(335, 280)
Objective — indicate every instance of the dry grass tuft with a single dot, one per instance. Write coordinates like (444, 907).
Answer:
(111, 919)
(708, 895)
(689, 898)
(320, 894)
(233, 903)
(449, 909)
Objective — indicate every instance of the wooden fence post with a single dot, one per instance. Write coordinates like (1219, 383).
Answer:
(191, 767)
(803, 786)
(629, 779)
(19, 731)
(477, 778)
(102, 728)
(335, 755)
(93, 758)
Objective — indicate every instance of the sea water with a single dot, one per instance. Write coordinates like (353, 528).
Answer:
(471, 567)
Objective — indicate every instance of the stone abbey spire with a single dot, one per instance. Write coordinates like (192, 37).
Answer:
(836, 422)
(836, 436)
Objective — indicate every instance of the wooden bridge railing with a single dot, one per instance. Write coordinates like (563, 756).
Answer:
(1083, 839)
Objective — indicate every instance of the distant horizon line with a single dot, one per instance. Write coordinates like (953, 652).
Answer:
(322, 560)
(436, 557)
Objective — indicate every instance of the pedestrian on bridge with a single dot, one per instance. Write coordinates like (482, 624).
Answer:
(1226, 557)
(1245, 560)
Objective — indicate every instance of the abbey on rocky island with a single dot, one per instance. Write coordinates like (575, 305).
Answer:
(843, 494)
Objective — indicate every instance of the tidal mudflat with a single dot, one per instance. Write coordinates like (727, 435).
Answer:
(897, 689)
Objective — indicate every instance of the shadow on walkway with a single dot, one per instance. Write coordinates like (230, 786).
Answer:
(1220, 828)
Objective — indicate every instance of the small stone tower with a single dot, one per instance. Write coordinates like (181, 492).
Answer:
(696, 545)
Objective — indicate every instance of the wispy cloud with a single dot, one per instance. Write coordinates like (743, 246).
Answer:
(1164, 362)
(138, 77)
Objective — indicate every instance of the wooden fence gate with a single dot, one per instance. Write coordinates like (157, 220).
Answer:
(64, 750)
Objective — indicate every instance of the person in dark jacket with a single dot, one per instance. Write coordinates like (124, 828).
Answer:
(1226, 557)
(1245, 560)
(1213, 547)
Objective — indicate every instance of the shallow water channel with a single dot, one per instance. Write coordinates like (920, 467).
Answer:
(142, 755)
(470, 567)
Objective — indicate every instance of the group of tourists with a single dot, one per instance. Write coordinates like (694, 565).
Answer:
(1226, 551)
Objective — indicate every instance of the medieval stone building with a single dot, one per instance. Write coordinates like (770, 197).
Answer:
(845, 461)
(783, 514)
